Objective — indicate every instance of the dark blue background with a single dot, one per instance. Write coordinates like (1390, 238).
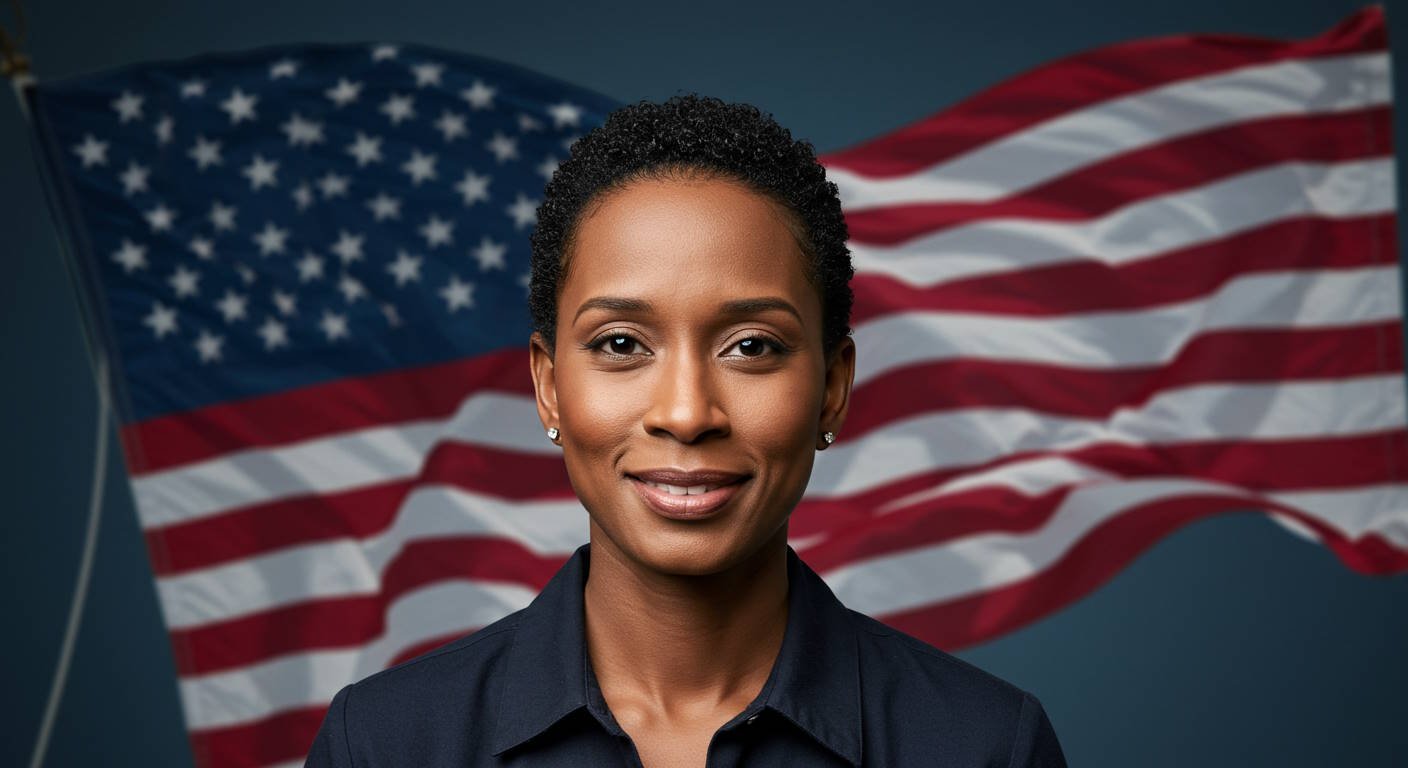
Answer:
(1230, 643)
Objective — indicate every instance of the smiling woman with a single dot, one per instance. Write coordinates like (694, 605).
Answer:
(692, 353)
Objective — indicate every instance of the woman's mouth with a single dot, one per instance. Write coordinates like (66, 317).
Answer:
(686, 495)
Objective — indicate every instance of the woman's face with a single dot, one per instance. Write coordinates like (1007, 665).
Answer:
(688, 380)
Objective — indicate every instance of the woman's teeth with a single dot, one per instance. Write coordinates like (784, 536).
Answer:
(680, 490)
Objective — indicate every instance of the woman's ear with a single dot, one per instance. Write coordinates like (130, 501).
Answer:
(840, 375)
(544, 380)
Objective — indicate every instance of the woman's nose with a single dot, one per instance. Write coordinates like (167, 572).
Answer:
(685, 401)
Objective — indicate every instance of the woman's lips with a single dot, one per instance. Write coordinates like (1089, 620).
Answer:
(683, 496)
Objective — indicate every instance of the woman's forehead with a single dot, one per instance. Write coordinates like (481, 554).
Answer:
(691, 239)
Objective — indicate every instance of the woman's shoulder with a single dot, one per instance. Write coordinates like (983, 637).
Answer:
(452, 665)
(963, 706)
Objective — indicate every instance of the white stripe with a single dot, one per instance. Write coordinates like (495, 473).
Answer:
(880, 585)
(310, 679)
(1070, 141)
(1140, 230)
(367, 457)
(1144, 337)
(339, 462)
(346, 567)
(1380, 509)
(1205, 412)
(962, 567)
(932, 441)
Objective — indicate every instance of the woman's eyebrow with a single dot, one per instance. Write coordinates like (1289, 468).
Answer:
(614, 304)
(760, 305)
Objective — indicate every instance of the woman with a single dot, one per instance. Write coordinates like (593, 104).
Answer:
(690, 293)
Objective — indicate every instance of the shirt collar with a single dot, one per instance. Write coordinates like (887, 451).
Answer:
(815, 681)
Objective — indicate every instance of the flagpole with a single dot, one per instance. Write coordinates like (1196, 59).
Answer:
(14, 65)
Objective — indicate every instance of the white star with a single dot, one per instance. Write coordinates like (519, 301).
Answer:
(366, 149)
(261, 172)
(164, 129)
(271, 239)
(303, 196)
(526, 280)
(451, 125)
(479, 95)
(458, 294)
(565, 114)
(240, 106)
(406, 268)
(437, 232)
(192, 88)
(130, 256)
(348, 247)
(310, 267)
(503, 147)
(352, 288)
(208, 346)
(246, 274)
(398, 108)
(283, 68)
(384, 207)
(569, 141)
(134, 179)
(184, 282)
(393, 318)
(385, 52)
(427, 74)
(162, 319)
(548, 167)
(202, 248)
(92, 151)
(344, 93)
(490, 254)
(420, 167)
(473, 187)
(233, 306)
(274, 333)
(527, 122)
(160, 218)
(128, 106)
(286, 302)
(206, 153)
(302, 133)
(334, 325)
(222, 217)
(524, 212)
(333, 185)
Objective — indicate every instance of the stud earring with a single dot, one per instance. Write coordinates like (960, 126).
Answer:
(553, 433)
(829, 437)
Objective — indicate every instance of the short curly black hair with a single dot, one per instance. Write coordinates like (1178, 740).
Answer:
(692, 134)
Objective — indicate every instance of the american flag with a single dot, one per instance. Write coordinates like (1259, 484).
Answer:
(1132, 289)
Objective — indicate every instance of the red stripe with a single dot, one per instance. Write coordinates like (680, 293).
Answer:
(278, 738)
(855, 528)
(1119, 180)
(427, 392)
(1096, 558)
(1244, 356)
(1088, 78)
(1267, 356)
(357, 513)
(351, 621)
(862, 533)
(1086, 285)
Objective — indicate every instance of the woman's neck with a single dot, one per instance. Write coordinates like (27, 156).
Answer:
(676, 644)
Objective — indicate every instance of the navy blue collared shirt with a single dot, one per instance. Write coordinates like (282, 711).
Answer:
(845, 690)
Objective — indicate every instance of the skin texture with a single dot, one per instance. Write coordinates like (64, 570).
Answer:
(685, 617)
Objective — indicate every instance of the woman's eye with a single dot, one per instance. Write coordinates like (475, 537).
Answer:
(754, 347)
(619, 345)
